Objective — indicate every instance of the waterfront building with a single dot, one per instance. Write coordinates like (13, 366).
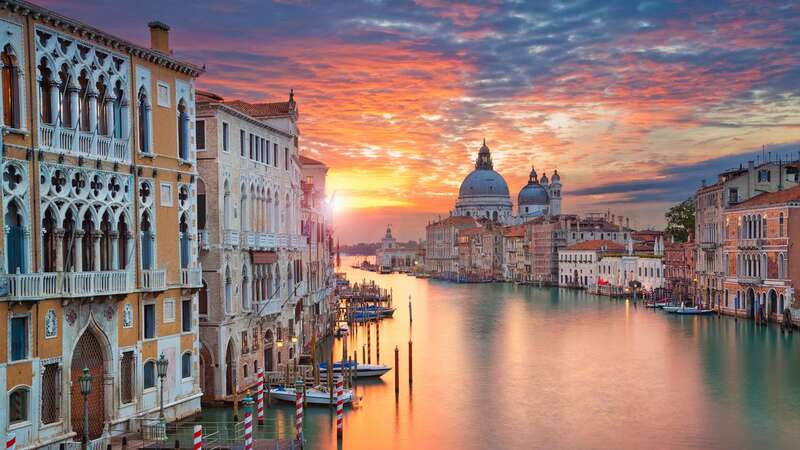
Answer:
(546, 236)
(441, 245)
(641, 262)
(392, 256)
(758, 255)
(578, 264)
(516, 257)
(480, 252)
(597, 227)
(251, 241)
(317, 260)
(679, 272)
(484, 194)
(100, 267)
(732, 187)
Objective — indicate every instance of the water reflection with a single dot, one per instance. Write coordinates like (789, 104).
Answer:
(504, 366)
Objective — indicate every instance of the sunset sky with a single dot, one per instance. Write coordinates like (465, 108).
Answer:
(633, 102)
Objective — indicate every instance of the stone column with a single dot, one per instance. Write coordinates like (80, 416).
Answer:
(60, 249)
(78, 250)
(72, 91)
(109, 106)
(114, 250)
(54, 101)
(96, 236)
(92, 111)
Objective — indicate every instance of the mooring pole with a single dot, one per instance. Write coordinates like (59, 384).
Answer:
(410, 365)
(396, 371)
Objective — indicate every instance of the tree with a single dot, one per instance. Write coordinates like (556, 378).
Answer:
(680, 220)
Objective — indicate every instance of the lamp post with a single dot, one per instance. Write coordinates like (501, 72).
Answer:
(86, 388)
(161, 367)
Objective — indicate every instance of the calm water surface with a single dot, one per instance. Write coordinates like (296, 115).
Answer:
(515, 367)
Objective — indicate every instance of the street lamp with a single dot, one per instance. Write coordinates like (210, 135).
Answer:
(161, 367)
(86, 388)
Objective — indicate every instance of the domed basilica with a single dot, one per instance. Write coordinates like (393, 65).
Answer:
(484, 194)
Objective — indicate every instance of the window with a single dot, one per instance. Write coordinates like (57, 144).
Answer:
(186, 365)
(245, 371)
(149, 321)
(19, 338)
(275, 154)
(166, 194)
(252, 146)
(286, 167)
(200, 133)
(15, 237)
(183, 131)
(10, 81)
(201, 205)
(186, 316)
(225, 137)
(267, 160)
(51, 393)
(780, 225)
(126, 366)
(764, 176)
(733, 195)
(149, 375)
(163, 94)
(143, 111)
(18, 405)
(241, 143)
(169, 310)
(263, 150)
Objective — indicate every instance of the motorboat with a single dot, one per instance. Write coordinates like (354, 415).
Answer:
(343, 330)
(362, 370)
(374, 311)
(314, 396)
(693, 311)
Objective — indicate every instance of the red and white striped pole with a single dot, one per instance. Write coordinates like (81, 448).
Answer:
(339, 406)
(248, 424)
(298, 411)
(198, 437)
(11, 441)
(260, 396)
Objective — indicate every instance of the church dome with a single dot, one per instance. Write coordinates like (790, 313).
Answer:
(483, 183)
(533, 193)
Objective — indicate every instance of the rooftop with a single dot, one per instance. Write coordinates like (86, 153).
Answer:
(790, 195)
(597, 245)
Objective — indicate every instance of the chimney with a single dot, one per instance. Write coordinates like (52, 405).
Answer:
(159, 36)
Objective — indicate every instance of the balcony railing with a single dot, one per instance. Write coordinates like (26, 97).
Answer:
(41, 285)
(708, 245)
(750, 243)
(79, 284)
(154, 280)
(83, 143)
(750, 280)
(192, 277)
(230, 237)
(33, 286)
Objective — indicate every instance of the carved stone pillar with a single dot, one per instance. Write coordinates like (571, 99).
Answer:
(60, 249)
(114, 250)
(92, 111)
(109, 106)
(54, 101)
(72, 91)
(78, 250)
(96, 236)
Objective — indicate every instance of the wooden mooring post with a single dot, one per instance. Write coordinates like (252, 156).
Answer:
(396, 371)
(410, 364)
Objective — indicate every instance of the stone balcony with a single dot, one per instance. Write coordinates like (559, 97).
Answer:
(268, 307)
(41, 285)
(750, 280)
(749, 244)
(192, 277)
(91, 145)
(154, 280)
(708, 245)
(230, 238)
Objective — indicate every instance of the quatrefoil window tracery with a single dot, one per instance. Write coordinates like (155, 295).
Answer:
(114, 187)
(58, 181)
(183, 196)
(12, 178)
(97, 186)
(78, 184)
(145, 193)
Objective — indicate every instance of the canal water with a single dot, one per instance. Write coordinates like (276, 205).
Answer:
(499, 366)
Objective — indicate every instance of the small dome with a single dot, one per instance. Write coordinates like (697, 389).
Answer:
(533, 194)
(556, 178)
(483, 183)
(544, 179)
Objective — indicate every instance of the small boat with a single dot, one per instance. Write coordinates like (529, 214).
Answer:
(342, 330)
(362, 370)
(374, 311)
(671, 308)
(693, 311)
(314, 396)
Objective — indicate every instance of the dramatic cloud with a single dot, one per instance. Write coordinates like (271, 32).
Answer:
(633, 102)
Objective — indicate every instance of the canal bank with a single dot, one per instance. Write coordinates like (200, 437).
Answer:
(505, 366)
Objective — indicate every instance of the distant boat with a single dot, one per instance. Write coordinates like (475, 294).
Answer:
(362, 370)
(385, 270)
(671, 308)
(314, 396)
(374, 311)
(693, 311)
(342, 330)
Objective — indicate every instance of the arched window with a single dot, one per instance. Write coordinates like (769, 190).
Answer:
(122, 242)
(243, 208)
(183, 131)
(65, 98)
(184, 242)
(143, 114)
(780, 225)
(246, 289)
(201, 205)
(226, 205)
(117, 110)
(186, 365)
(18, 405)
(15, 239)
(84, 108)
(203, 300)
(781, 268)
(46, 82)
(149, 374)
(148, 238)
(228, 291)
(102, 113)
(10, 80)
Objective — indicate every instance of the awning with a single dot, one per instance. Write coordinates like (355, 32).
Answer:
(264, 257)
